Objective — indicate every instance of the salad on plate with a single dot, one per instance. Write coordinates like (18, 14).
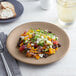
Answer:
(38, 43)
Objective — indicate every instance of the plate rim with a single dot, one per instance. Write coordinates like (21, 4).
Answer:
(40, 63)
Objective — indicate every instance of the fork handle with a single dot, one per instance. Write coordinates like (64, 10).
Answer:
(6, 65)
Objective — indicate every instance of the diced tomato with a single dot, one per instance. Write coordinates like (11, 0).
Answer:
(55, 42)
(21, 49)
(25, 32)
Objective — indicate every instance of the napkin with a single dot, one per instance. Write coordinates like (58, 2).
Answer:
(12, 63)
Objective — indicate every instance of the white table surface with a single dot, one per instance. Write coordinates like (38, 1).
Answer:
(32, 12)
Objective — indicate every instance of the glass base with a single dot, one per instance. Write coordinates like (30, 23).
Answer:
(65, 23)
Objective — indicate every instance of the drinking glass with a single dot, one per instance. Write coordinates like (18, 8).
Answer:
(66, 11)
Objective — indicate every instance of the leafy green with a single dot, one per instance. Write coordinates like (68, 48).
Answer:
(36, 37)
(32, 40)
(24, 42)
(41, 43)
(46, 49)
(56, 38)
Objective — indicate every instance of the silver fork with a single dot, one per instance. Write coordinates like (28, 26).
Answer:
(4, 60)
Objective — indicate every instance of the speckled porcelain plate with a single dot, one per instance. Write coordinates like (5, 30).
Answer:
(14, 36)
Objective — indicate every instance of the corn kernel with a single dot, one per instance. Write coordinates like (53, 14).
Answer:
(21, 44)
(56, 49)
(27, 33)
(37, 57)
(22, 35)
(49, 39)
(30, 36)
(25, 38)
(32, 48)
(44, 36)
(38, 30)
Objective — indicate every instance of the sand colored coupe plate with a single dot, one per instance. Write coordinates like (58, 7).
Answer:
(14, 36)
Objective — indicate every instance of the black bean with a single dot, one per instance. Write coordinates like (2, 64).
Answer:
(45, 42)
(55, 46)
(19, 39)
(30, 41)
(26, 49)
(18, 44)
(35, 45)
(59, 45)
(49, 32)
(45, 55)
